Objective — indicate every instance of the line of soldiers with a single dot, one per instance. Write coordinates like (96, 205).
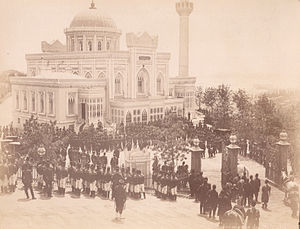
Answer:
(165, 181)
(90, 179)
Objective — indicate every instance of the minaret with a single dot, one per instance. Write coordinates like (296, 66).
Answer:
(184, 8)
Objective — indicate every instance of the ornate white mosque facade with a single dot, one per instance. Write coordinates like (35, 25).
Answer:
(89, 79)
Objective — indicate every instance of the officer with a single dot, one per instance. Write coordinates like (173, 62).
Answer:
(27, 178)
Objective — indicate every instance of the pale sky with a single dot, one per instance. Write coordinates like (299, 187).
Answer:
(238, 42)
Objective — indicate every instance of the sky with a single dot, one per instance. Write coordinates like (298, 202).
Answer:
(237, 42)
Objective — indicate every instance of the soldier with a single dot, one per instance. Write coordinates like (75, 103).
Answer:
(256, 187)
(63, 179)
(40, 171)
(71, 172)
(246, 193)
(85, 179)
(104, 161)
(114, 163)
(48, 178)
(99, 180)
(120, 198)
(159, 185)
(154, 182)
(212, 201)
(265, 194)
(164, 186)
(131, 182)
(78, 180)
(92, 181)
(141, 184)
(115, 179)
(107, 183)
(224, 203)
(58, 178)
(203, 195)
(173, 187)
(27, 178)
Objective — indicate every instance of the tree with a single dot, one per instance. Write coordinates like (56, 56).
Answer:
(210, 98)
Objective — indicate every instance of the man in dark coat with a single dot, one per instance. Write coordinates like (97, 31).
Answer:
(27, 178)
(48, 178)
(256, 187)
(120, 198)
(212, 201)
(203, 195)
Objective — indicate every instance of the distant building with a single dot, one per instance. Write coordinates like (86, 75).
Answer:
(90, 79)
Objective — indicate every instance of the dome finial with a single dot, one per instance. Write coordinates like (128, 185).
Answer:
(93, 5)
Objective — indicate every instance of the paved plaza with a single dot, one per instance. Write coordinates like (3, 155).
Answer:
(69, 212)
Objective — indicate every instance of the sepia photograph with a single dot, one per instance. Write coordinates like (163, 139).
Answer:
(149, 114)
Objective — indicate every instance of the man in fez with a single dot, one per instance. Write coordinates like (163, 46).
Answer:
(120, 198)
(27, 178)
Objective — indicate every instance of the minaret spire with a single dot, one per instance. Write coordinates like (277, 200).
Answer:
(93, 5)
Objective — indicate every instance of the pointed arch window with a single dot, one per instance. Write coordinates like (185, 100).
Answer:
(143, 82)
(80, 46)
(99, 46)
(118, 84)
(25, 100)
(141, 85)
(51, 103)
(71, 103)
(90, 46)
(128, 117)
(159, 84)
(108, 45)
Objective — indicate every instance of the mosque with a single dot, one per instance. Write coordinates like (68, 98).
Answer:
(89, 79)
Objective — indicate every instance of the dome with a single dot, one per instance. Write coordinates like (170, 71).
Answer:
(92, 18)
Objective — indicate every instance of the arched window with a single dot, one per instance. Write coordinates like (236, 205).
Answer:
(128, 117)
(88, 75)
(25, 100)
(118, 85)
(159, 84)
(108, 45)
(140, 85)
(101, 75)
(90, 46)
(75, 73)
(144, 116)
(143, 79)
(99, 45)
(71, 103)
(51, 103)
(80, 46)
(42, 102)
